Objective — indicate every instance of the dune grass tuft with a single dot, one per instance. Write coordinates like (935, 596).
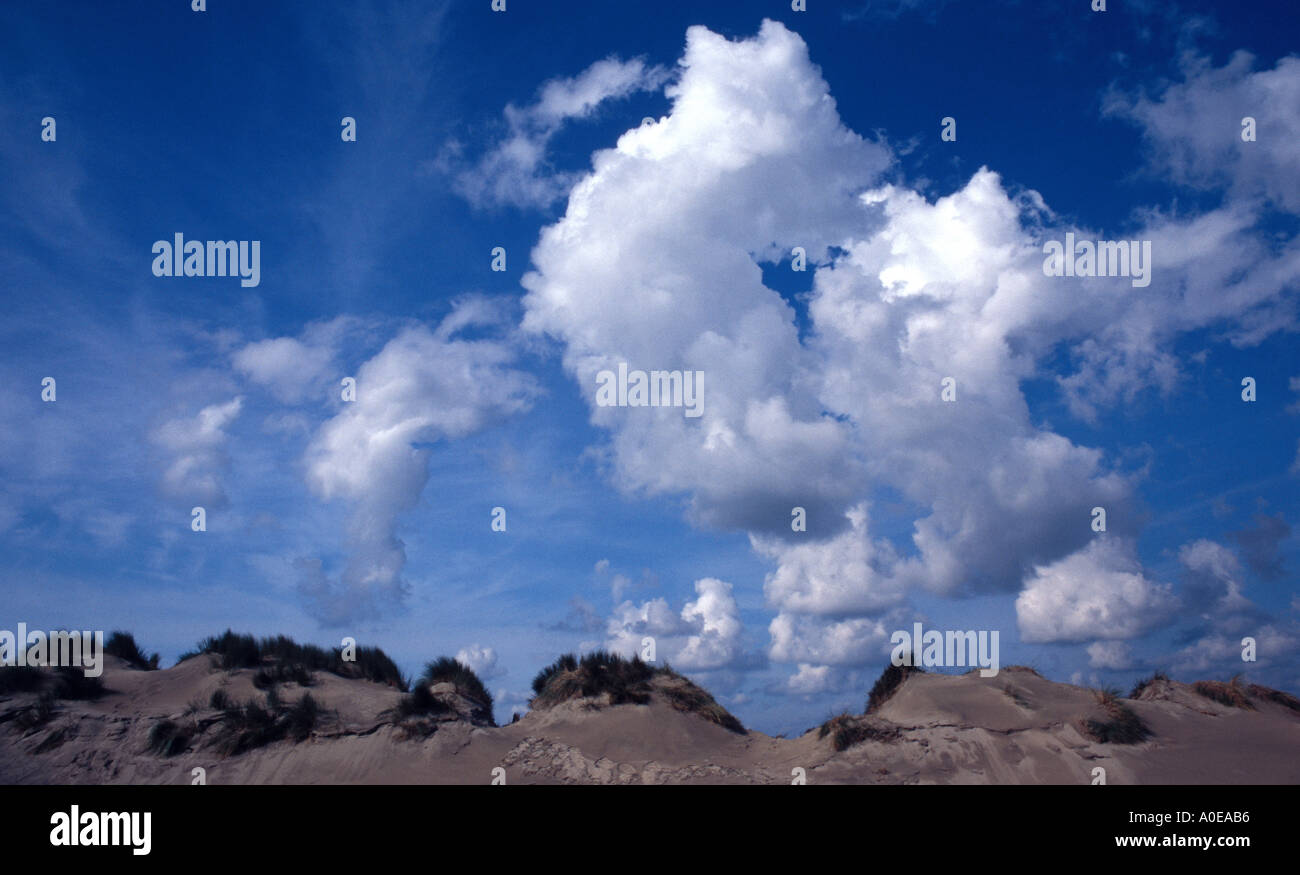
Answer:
(567, 662)
(846, 730)
(888, 683)
(1238, 694)
(420, 708)
(1233, 693)
(283, 672)
(1121, 726)
(625, 681)
(1143, 684)
(422, 702)
(122, 645)
(284, 659)
(445, 670)
(251, 725)
(1277, 697)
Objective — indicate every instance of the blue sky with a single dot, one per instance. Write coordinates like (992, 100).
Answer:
(666, 245)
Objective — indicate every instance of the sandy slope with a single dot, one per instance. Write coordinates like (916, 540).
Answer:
(1015, 728)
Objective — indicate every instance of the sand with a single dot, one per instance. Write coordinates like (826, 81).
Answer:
(1016, 728)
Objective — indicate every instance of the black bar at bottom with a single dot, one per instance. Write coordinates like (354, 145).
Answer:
(639, 824)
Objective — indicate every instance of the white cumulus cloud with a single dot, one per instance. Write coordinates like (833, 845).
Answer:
(423, 386)
(705, 635)
(657, 263)
(1097, 592)
(483, 661)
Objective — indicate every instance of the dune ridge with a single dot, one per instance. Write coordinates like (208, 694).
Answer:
(601, 719)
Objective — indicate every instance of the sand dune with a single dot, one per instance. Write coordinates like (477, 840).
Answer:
(1016, 728)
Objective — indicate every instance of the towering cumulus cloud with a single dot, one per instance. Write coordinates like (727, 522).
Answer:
(423, 386)
(654, 265)
(657, 263)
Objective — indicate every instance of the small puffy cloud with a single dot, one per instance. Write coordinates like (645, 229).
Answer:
(630, 621)
(847, 574)
(704, 636)
(293, 368)
(1275, 646)
(1194, 127)
(1109, 654)
(1213, 579)
(810, 680)
(820, 641)
(715, 622)
(482, 660)
(515, 171)
(284, 365)
(196, 446)
(1098, 592)
(1211, 651)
